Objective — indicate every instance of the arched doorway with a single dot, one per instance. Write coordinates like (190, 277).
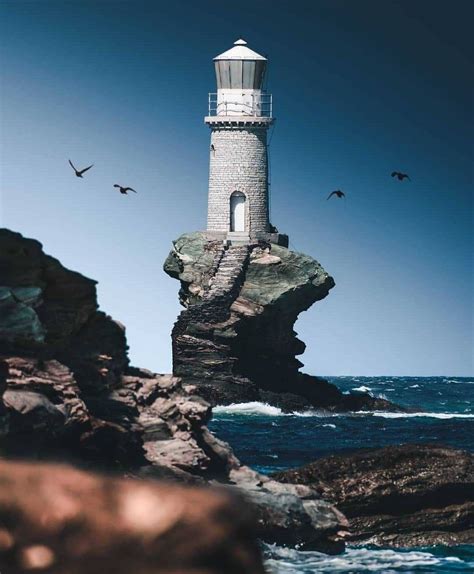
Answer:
(237, 211)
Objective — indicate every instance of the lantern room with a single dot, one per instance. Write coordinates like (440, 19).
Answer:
(240, 73)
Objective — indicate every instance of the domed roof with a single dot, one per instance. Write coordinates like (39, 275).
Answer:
(239, 52)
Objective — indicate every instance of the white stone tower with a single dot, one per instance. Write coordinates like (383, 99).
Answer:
(240, 114)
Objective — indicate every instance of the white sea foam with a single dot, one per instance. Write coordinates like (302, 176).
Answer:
(414, 386)
(289, 561)
(329, 425)
(256, 408)
(362, 389)
(310, 413)
(367, 390)
(251, 408)
(389, 415)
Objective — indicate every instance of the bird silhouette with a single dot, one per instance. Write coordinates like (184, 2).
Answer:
(338, 193)
(400, 176)
(213, 149)
(124, 190)
(79, 172)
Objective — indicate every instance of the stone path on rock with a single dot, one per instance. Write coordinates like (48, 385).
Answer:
(223, 288)
(230, 268)
(202, 359)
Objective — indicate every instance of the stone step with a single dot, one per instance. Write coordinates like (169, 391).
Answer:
(227, 271)
(226, 278)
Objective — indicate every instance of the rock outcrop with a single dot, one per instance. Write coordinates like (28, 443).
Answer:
(400, 496)
(235, 340)
(69, 394)
(60, 520)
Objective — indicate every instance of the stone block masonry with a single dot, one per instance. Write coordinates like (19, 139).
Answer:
(238, 162)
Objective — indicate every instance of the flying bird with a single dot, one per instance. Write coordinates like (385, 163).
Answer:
(400, 176)
(124, 190)
(79, 172)
(338, 193)
(213, 149)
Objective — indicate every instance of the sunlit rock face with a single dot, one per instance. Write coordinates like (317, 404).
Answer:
(238, 343)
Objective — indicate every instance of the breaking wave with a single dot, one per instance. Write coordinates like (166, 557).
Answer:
(256, 408)
(281, 560)
(251, 408)
(389, 415)
(362, 389)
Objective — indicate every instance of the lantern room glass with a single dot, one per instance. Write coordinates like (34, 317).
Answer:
(240, 74)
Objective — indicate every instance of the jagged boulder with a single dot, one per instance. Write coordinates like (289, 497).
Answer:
(240, 345)
(408, 495)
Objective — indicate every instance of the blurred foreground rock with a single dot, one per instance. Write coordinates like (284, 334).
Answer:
(60, 520)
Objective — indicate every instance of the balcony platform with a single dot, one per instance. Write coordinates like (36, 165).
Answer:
(231, 121)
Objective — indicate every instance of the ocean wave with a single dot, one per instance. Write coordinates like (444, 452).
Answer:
(390, 415)
(256, 408)
(281, 560)
(251, 408)
(367, 390)
(362, 389)
(456, 382)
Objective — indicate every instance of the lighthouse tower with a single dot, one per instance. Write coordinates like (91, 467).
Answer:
(240, 114)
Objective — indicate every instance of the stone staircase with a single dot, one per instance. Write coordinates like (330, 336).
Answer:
(196, 357)
(231, 266)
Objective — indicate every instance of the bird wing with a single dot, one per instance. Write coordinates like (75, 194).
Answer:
(116, 185)
(70, 163)
(407, 176)
(130, 189)
(331, 194)
(86, 168)
(394, 173)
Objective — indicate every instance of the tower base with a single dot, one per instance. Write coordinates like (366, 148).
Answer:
(243, 237)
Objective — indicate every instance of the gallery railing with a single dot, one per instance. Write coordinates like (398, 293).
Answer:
(256, 105)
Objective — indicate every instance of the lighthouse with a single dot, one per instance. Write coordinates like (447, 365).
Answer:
(239, 116)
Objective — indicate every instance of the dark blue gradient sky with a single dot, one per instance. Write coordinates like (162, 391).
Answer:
(360, 88)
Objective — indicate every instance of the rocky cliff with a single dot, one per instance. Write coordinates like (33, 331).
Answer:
(235, 340)
(70, 394)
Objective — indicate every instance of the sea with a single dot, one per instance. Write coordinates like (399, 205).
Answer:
(269, 440)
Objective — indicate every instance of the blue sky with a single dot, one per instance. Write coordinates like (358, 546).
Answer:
(360, 89)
